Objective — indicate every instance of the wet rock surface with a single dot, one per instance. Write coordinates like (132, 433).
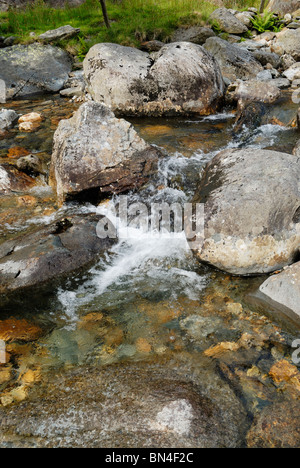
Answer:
(95, 150)
(33, 69)
(251, 223)
(276, 427)
(283, 291)
(12, 180)
(182, 79)
(131, 405)
(60, 248)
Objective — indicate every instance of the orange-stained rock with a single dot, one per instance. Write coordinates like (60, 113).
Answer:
(221, 348)
(162, 312)
(17, 152)
(114, 337)
(5, 374)
(283, 371)
(143, 345)
(28, 126)
(14, 330)
(26, 200)
(32, 117)
(30, 376)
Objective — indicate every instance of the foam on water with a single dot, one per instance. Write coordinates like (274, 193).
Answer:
(157, 262)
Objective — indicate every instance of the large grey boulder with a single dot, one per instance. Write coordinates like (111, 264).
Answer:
(227, 22)
(283, 291)
(33, 69)
(284, 6)
(235, 63)
(288, 42)
(64, 32)
(96, 151)
(182, 78)
(49, 252)
(157, 403)
(252, 205)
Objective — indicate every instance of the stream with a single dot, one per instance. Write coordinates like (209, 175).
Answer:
(147, 301)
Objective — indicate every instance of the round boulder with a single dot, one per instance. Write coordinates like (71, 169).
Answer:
(182, 78)
(252, 211)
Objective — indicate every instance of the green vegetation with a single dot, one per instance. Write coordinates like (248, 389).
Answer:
(266, 22)
(131, 21)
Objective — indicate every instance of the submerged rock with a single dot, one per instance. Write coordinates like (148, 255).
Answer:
(235, 63)
(283, 291)
(251, 115)
(134, 405)
(276, 427)
(96, 151)
(182, 79)
(252, 204)
(35, 68)
(49, 252)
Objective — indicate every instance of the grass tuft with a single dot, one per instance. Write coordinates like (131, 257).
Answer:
(132, 21)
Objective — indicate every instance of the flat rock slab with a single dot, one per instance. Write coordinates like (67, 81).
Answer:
(61, 248)
(64, 32)
(252, 211)
(153, 404)
(33, 69)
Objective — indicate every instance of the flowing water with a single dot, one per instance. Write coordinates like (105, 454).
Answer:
(146, 298)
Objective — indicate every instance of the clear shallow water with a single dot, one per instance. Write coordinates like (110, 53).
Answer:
(150, 297)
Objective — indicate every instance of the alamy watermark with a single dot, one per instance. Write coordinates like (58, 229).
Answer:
(2, 352)
(296, 93)
(2, 92)
(159, 220)
(296, 354)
